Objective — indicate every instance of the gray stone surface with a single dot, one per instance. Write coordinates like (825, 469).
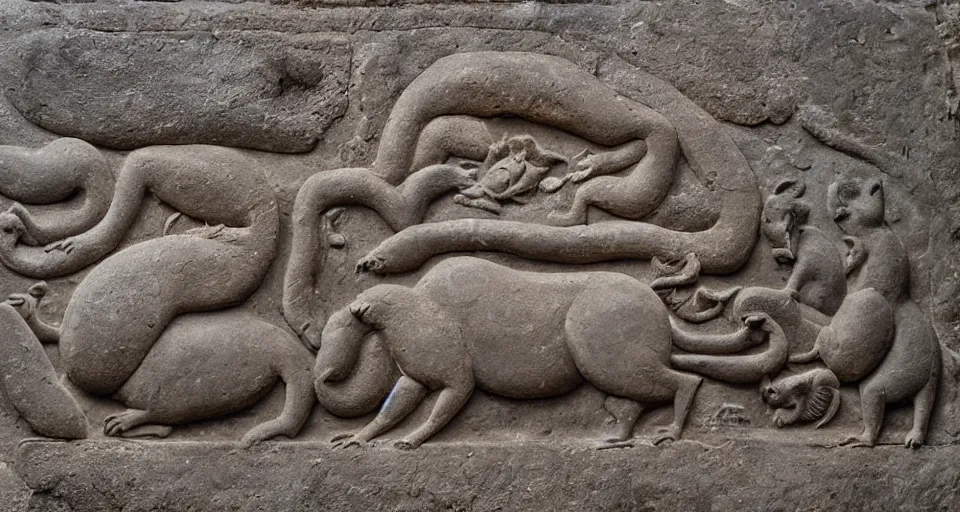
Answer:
(523, 476)
(797, 107)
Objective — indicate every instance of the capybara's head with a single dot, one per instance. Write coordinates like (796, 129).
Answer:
(856, 203)
(783, 214)
(340, 344)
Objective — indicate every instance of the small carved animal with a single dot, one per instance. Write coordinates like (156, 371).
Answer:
(857, 338)
(124, 306)
(911, 368)
(809, 396)
(400, 206)
(203, 366)
(818, 275)
(470, 323)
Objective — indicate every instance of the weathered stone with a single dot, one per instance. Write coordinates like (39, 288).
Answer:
(125, 91)
(534, 222)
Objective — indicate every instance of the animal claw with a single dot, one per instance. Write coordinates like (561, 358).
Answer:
(405, 445)
(372, 264)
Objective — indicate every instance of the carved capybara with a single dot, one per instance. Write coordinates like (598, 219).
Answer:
(818, 275)
(127, 302)
(203, 366)
(471, 323)
(857, 338)
(879, 261)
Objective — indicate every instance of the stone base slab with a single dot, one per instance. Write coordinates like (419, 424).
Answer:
(686, 475)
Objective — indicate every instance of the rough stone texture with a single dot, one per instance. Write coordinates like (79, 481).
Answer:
(806, 90)
(523, 476)
(126, 90)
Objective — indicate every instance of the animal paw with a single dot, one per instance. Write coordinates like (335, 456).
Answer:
(116, 424)
(914, 440)
(344, 441)
(779, 418)
(668, 433)
(861, 441)
(406, 444)
(371, 264)
(66, 245)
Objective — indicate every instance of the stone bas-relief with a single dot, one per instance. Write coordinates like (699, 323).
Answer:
(522, 245)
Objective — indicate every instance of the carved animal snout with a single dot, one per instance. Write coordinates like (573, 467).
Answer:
(783, 255)
(474, 192)
(841, 214)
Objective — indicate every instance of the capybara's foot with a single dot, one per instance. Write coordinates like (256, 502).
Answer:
(344, 441)
(860, 441)
(370, 264)
(407, 444)
(116, 424)
(668, 433)
(914, 439)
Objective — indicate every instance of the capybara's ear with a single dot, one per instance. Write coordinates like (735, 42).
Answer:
(792, 187)
(38, 290)
(359, 309)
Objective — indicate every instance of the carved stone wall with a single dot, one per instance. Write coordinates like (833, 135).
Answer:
(330, 254)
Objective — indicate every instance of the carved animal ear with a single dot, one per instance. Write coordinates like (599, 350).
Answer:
(792, 187)
(360, 310)
(38, 290)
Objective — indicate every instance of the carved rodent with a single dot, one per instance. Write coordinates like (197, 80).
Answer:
(911, 368)
(809, 396)
(857, 338)
(471, 323)
(400, 206)
(818, 275)
(877, 258)
(124, 305)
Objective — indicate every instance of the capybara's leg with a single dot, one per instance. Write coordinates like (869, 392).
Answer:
(687, 386)
(626, 412)
(121, 423)
(922, 408)
(405, 397)
(872, 404)
(298, 384)
(452, 398)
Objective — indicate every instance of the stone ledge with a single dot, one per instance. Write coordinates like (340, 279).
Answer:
(687, 475)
